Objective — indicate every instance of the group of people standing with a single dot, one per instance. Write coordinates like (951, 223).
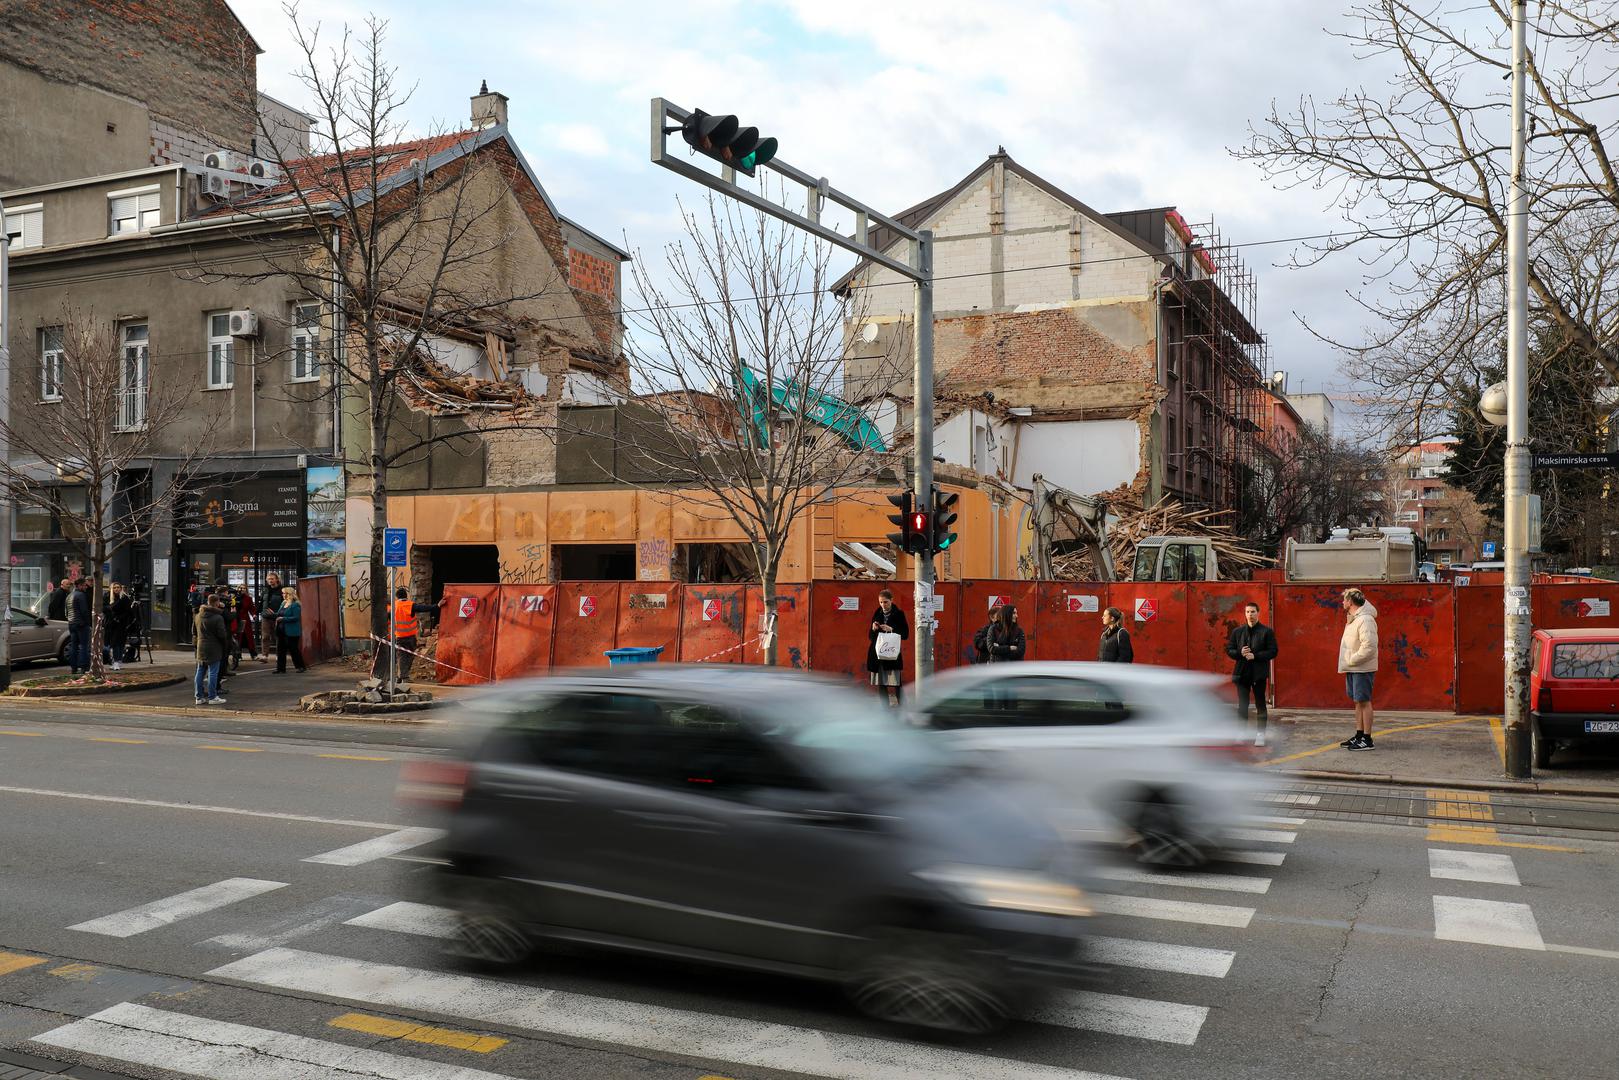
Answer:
(121, 622)
(1251, 646)
(227, 619)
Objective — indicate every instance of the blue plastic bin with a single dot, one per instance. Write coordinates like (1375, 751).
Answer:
(634, 655)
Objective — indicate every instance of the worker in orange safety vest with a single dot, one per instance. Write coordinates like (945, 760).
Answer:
(406, 630)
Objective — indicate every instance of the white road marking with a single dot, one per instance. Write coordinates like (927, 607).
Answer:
(1581, 950)
(1486, 922)
(650, 1027)
(1255, 858)
(1145, 907)
(293, 925)
(171, 909)
(1160, 956)
(1266, 835)
(1290, 798)
(378, 847)
(1138, 1018)
(407, 918)
(198, 807)
(1228, 882)
(1271, 819)
(1488, 867)
(195, 1046)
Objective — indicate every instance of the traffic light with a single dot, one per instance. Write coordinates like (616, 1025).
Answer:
(944, 516)
(724, 139)
(906, 538)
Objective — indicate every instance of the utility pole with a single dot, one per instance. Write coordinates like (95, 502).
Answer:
(1516, 578)
(5, 451)
(722, 138)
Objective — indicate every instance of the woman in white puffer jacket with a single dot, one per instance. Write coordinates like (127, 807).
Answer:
(1357, 660)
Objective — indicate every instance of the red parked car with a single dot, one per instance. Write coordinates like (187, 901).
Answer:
(1573, 688)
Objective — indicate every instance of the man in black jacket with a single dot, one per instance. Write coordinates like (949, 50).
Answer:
(1251, 646)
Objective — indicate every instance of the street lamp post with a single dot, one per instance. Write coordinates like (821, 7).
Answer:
(5, 452)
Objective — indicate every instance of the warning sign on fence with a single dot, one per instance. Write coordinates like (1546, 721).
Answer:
(711, 610)
(1079, 602)
(468, 607)
(848, 603)
(587, 606)
(998, 601)
(1593, 608)
(1146, 610)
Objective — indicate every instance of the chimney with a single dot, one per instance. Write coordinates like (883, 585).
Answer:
(488, 109)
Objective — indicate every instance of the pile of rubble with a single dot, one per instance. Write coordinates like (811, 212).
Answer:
(1166, 519)
(368, 699)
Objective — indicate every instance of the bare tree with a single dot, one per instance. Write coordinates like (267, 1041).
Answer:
(1420, 172)
(408, 242)
(84, 454)
(739, 366)
(1310, 484)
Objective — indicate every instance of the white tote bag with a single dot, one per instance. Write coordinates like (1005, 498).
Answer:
(888, 646)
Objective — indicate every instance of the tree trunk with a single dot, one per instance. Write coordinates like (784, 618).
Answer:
(379, 522)
(98, 672)
(768, 559)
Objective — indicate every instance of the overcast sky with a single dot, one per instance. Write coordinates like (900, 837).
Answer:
(1124, 104)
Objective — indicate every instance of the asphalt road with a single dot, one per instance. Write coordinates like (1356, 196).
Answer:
(179, 902)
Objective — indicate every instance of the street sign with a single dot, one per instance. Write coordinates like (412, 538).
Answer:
(395, 550)
(1488, 552)
(1576, 461)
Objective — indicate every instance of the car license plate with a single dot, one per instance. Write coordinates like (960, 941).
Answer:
(1593, 727)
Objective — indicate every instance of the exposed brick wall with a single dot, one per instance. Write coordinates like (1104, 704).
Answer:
(189, 61)
(1058, 345)
(590, 274)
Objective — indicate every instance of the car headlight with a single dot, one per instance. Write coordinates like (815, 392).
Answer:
(1009, 890)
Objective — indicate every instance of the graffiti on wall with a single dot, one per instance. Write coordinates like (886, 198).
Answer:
(653, 559)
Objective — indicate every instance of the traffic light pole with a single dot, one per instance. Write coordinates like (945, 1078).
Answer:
(1516, 580)
(922, 437)
(919, 269)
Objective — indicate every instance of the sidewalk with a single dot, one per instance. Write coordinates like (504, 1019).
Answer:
(1433, 749)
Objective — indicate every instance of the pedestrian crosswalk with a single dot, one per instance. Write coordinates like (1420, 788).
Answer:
(1163, 992)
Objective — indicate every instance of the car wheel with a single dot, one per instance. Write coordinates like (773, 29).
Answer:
(487, 936)
(928, 980)
(1541, 747)
(1161, 838)
(61, 654)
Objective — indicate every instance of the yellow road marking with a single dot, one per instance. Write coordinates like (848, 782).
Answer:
(10, 962)
(1473, 806)
(129, 742)
(1385, 733)
(353, 757)
(234, 749)
(1486, 836)
(400, 1029)
(1500, 738)
(76, 972)
(25, 734)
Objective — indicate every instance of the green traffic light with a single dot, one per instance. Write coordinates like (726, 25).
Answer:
(760, 155)
(947, 541)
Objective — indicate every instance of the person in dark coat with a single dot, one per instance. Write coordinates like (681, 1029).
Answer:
(1005, 641)
(123, 621)
(56, 603)
(78, 628)
(1115, 647)
(1251, 646)
(888, 618)
(981, 638)
(213, 643)
(269, 604)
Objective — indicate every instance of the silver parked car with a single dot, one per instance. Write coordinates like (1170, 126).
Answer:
(1150, 755)
(34, 637)
(755, 819)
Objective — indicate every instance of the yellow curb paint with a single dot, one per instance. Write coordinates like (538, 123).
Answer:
(433, 1036)
(76, 972)
(1500, 737)
(10, 962)
(127, 742)
(234, 749)
(25, 734)
(352, 757)
(1385, 733)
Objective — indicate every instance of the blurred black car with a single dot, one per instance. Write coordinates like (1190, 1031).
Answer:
(755, 819)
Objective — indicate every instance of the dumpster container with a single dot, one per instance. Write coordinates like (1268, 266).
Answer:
(633, 655)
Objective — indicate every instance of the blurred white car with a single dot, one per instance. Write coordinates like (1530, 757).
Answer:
(1147, 755)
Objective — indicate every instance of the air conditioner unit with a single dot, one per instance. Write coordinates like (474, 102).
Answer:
(265, 170)
(214, 185)
(228, 160)
(244, 324)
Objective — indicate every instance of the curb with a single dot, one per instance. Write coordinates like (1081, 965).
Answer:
(235, 714)
(67, 692)
(1519, 787)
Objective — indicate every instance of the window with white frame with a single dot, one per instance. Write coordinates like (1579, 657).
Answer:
(221, 351)
(134, 377)
(133, 211)
(26, 226)
(305, 342)
(50, 364)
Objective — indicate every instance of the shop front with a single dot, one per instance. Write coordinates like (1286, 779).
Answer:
(237, 531)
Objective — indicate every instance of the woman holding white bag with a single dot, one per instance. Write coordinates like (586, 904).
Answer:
(885, 655)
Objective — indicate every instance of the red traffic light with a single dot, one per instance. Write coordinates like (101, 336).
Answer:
(919, 521)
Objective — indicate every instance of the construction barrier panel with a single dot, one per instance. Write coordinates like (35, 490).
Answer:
(649, 617)
(1070, 618)
(1213, 610)
(978, 597)
(1416, 627)
(1155, 615)
(953, 639)
(527, 626)
(1480, 665)
(322, 604)
(468, 629)
(587, 621)
(713, 624)
(792, 626)
(1584, 605)
(840, 625)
